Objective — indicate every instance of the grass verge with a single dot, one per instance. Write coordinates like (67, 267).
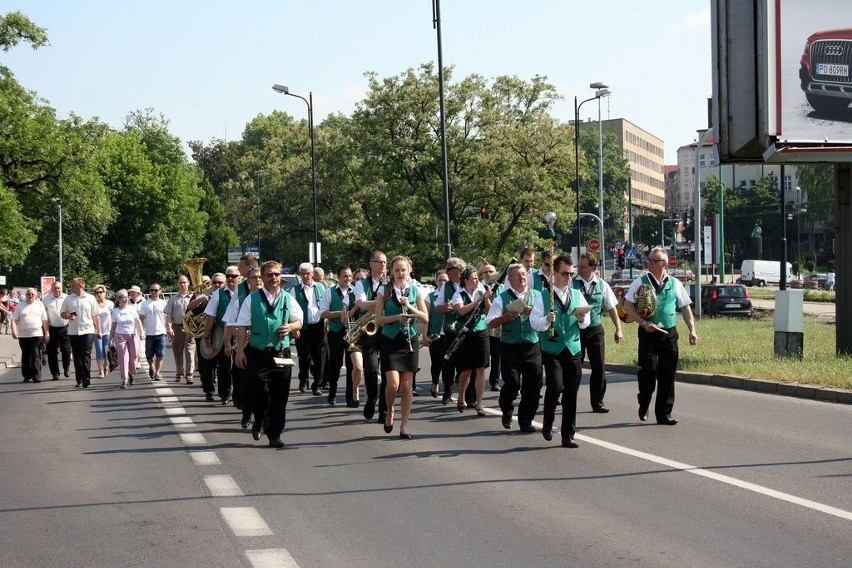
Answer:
(743, 347)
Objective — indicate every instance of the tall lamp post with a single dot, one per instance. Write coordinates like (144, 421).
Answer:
(799, 212)
(310, 102)
(58, 202)
(598, 94)
(599, 85)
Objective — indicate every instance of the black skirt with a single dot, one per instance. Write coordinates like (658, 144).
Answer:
(395, 354)
(474, 351)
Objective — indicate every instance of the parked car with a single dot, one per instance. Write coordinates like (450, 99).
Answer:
(625, 274)
(819, 277)
(824, 71)
(726, 299)
(289, 281)
(682, 275)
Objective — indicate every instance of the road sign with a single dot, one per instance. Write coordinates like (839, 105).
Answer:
(630, 254)
(619, 245)
(595, 245)
(672, 261)
(235, 253)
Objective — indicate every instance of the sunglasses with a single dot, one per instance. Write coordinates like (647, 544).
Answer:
(567, 274)
(100, 291)
(656, 260)
(231, 275)
(154, 290)
(547, 264)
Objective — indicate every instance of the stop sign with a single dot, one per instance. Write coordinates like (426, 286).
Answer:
(594, 244)
(672, 261)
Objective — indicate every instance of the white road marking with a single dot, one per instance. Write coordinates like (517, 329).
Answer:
(173, 410)
(223, 486)
(205, 457)
(163, 391)
(271, 558)
(169, 400)
(192, 438)
(182, 421)
(245, 521)
(816, 506)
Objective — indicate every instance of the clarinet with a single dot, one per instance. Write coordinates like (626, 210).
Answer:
(406, 325)
(474, 315)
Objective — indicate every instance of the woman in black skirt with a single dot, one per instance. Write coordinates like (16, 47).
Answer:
(473, 354)
(398, 305)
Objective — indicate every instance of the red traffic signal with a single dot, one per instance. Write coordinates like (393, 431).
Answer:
(483, 212)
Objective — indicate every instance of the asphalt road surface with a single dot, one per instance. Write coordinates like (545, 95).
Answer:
(155, 476)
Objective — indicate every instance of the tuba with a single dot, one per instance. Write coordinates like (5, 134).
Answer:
(194, 320)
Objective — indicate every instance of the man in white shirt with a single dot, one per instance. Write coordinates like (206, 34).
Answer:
(58, 327)
(29, 327)
(152, 314)
(217, 306)
(252, 282)
(81, 311)
(338, 307)
(310, 341)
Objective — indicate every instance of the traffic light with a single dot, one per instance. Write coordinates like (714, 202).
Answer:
(483, 212)
(621, 258)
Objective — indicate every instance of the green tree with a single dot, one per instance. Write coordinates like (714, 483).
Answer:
(16, 28)
(616, 177)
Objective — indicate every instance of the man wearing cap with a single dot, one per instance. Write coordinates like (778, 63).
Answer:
(58, 331)
(444, 306)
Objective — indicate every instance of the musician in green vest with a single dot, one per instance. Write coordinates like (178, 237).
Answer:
(658, 349)
(365, 298)
(266, 321)
(600, 296)
(311, 343)
(541, 277)
(444, 306)
(434, 339)
(338, 307)
(240, 379)
(558, 325)
(520, 353)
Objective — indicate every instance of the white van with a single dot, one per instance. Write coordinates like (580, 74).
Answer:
(763, 272)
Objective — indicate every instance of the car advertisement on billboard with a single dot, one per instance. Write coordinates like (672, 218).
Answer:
(813, 63)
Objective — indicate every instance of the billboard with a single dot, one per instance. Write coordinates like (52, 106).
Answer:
(782, 80)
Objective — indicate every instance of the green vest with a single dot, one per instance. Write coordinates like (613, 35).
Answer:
(567, 326)
(392, 308)
(336, 305)
(243, 291)
(367, 284)
(302, 299)
(450, 318)
(595, 299)
(222, 307)
(666, 313)
(436, 320)
(480, 324)
(518, 330)
(540, 282)
(265, 322)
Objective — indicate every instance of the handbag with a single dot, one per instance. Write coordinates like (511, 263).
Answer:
(112, 358)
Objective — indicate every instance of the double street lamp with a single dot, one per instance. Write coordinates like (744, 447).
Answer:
(310, 102)
(602, 91)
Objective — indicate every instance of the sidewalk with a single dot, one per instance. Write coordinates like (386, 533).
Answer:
(10, 352)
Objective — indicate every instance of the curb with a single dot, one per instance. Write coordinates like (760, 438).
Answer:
(811, 392)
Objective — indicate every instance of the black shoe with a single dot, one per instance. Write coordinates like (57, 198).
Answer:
(382, 417)
(331, 401)
(150, 374)
(405, 436)
(79, 384)
(446, 398)
(26, 379)
(244, 423)
(225, 401)
(388, 429)
(67, 374)
(303, 385)
(643, 412)
(36, 380)
(130, 379)
(547, 434)
(209, 397)
(86, 383)
(434, 391)
(316, 391)
(276, 443)
(370, 408)
(600, 409)
(256, 431)
(414, 392)
(460, 406)
(665, 420)
(507, 419)
(528, 429)
(238, 405)
(54, 378)
(495, 388)
(570, 443)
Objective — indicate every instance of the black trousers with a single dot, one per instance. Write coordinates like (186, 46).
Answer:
(562, 373)
(243, 385)
(448, 370)
(312, 350)
(31, 357)
(270, 389)
(206, 368)
(494, 373)
(81, 349)
(337, 357)
(593, 342)
(58, 342)
(658, 355)
(436, 357)
(372, 371)
(521, 372)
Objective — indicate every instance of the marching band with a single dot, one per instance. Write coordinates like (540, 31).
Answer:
(532, 327)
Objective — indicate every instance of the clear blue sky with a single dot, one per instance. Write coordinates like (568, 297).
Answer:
(208, 66)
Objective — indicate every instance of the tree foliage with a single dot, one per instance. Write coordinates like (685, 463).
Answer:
(16, 28)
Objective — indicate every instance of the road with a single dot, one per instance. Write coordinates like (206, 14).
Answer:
(153, 475)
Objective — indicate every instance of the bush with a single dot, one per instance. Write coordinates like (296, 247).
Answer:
(810, 266)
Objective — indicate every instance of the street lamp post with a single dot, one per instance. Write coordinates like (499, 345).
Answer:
(663, 232)
(310, 102)
(598, 94)
(58, 202)
(799, 212)
(600, 85)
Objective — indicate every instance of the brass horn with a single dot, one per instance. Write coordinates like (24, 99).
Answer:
(194, 321)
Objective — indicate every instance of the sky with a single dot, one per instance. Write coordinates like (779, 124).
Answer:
(208, 66)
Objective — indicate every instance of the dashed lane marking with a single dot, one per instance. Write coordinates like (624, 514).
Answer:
(271, 558)
(223, 486)
(192, 438)
(204, 457)
(245, 521)
(182, 421)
